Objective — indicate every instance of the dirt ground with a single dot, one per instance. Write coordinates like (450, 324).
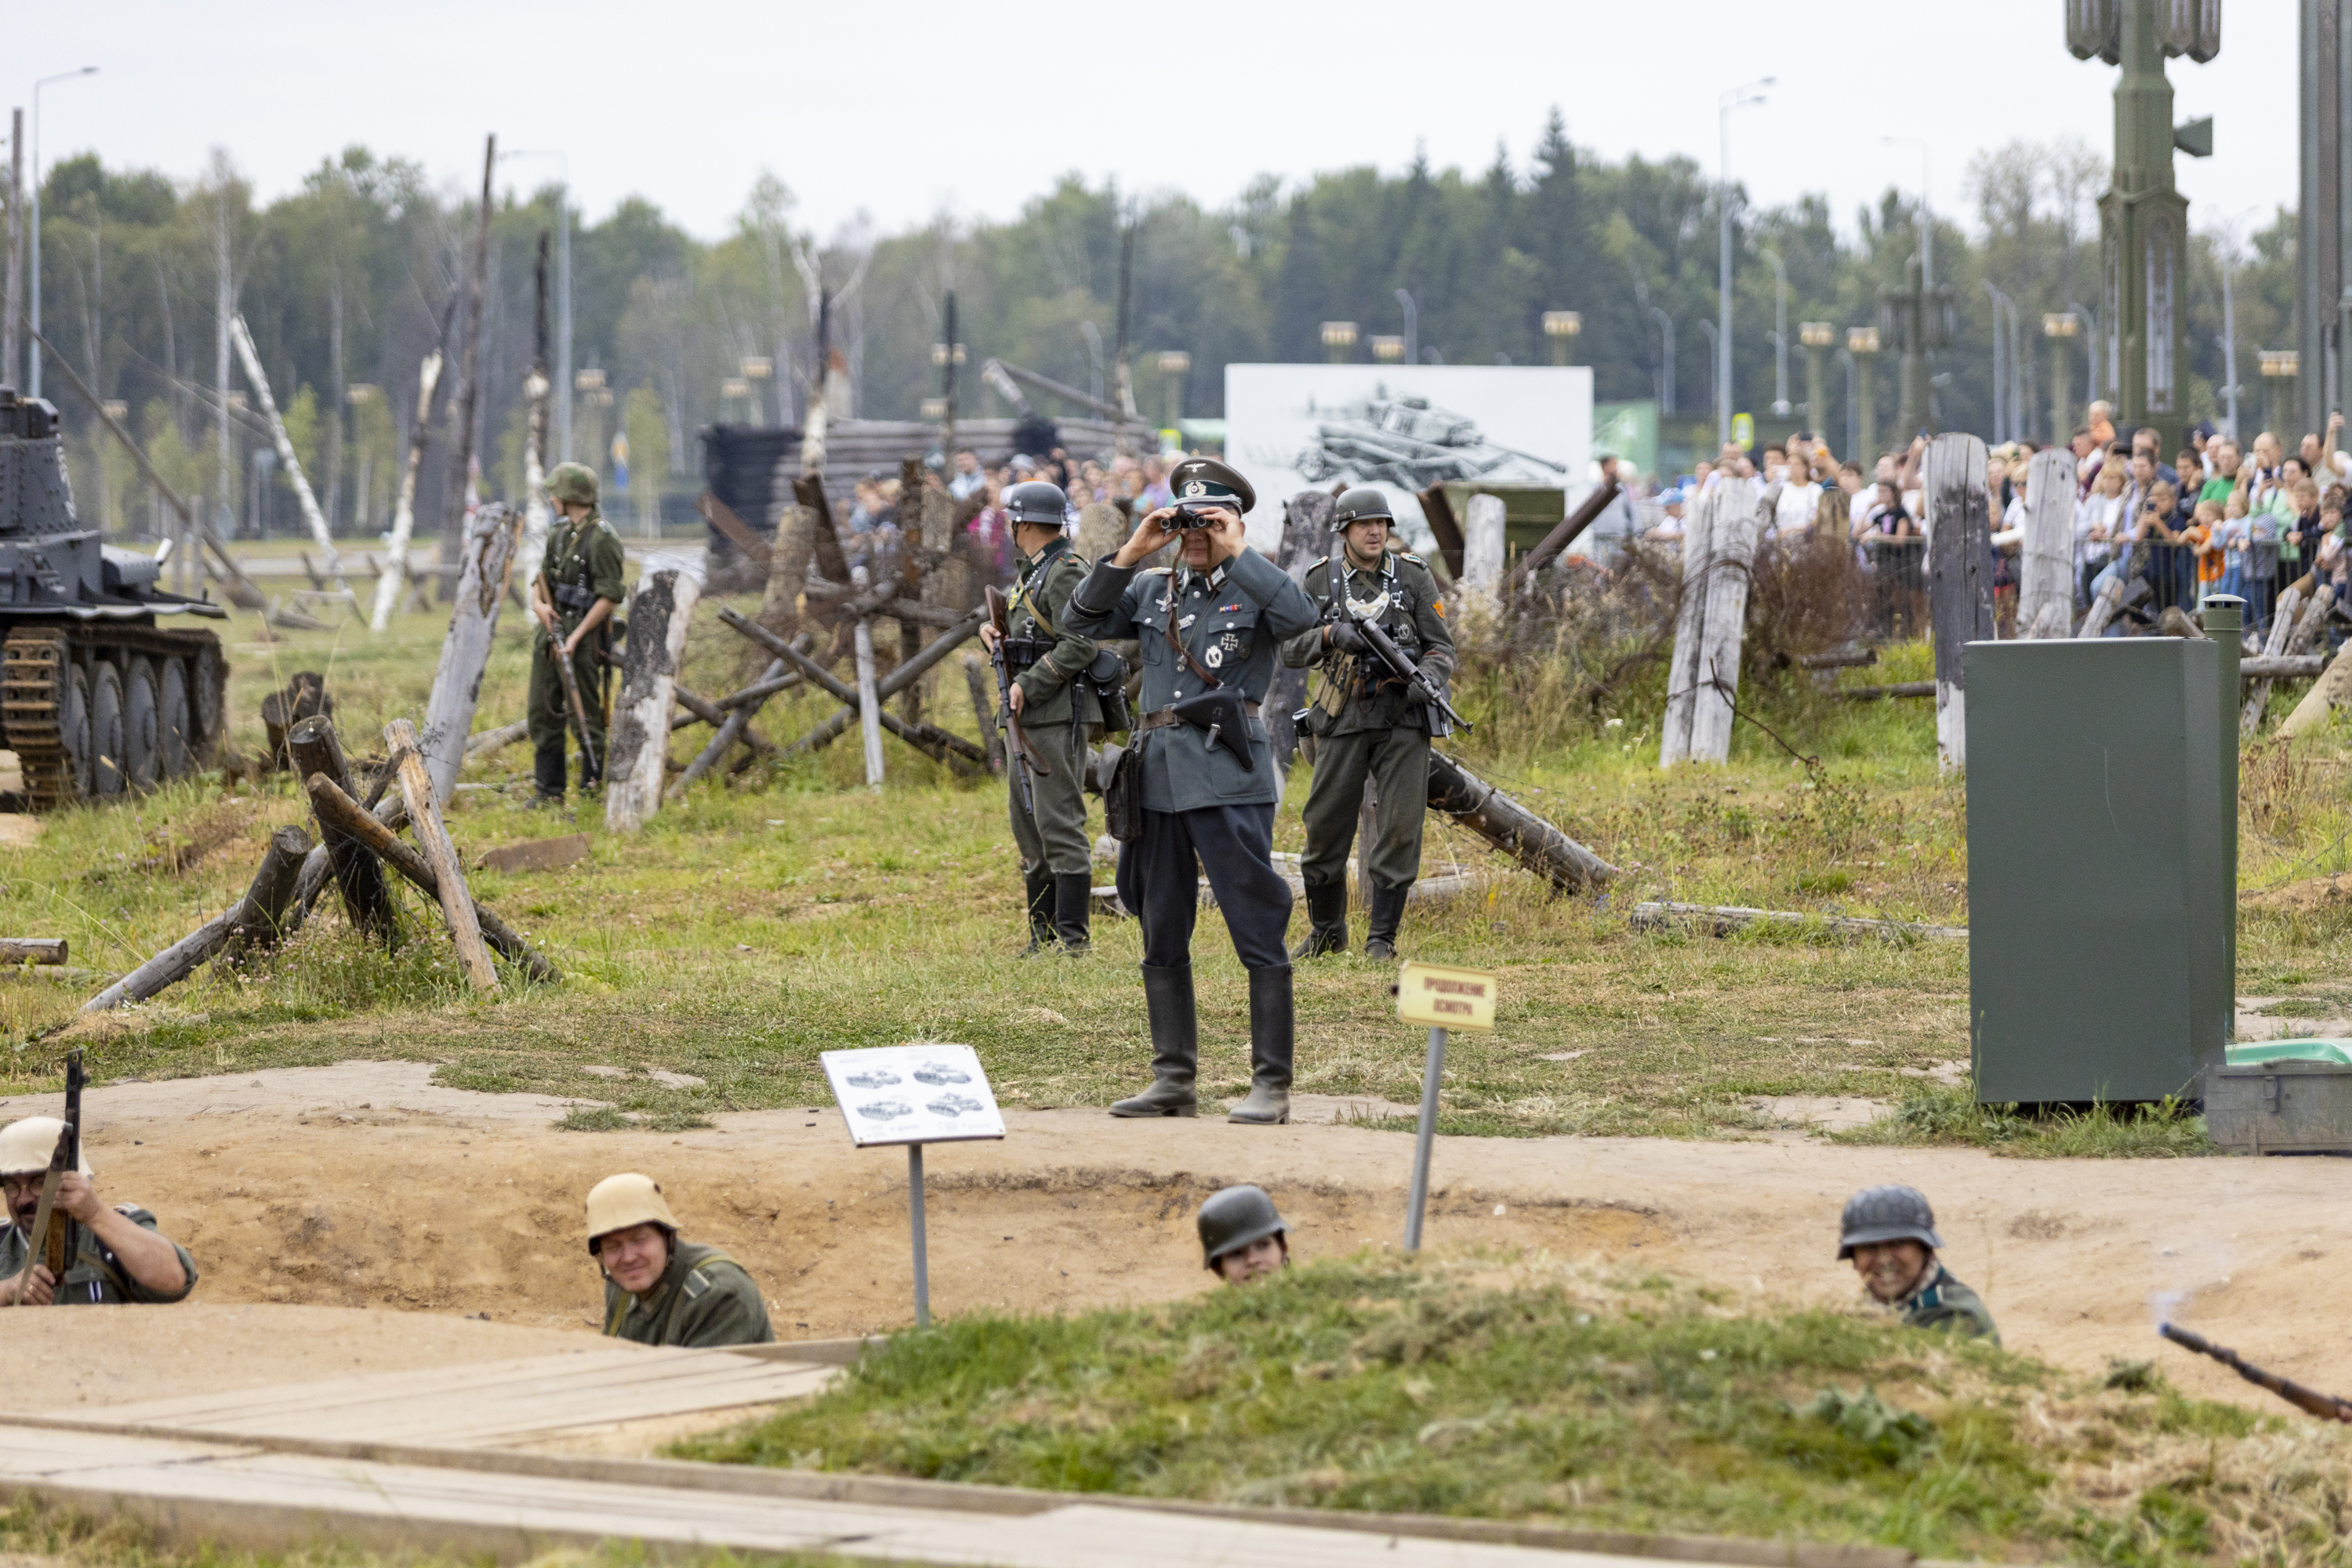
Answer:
(363, 1186)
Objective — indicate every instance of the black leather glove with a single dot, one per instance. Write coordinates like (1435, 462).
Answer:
(1346, 637)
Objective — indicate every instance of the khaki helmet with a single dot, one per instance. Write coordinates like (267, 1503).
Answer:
(29, 1145)
(1233, 1218)
(617, 1203)
(572, 482)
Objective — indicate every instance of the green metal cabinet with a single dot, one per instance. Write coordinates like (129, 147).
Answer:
(2102, 849)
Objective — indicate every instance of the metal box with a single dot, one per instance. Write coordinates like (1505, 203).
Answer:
(2280, 1108)
(2100, 855)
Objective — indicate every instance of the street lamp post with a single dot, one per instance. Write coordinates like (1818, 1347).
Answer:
(1338, 341)
(1780, 333)
(590, 384)
(1740, 97)
(757, 369)
(1816, 336)
(1175, 365)
(1412, 326)
(2059, 326)
(2005, 412)
(1714, 359)
(1666, 359)
(1560, 328)
(2279, 369)
(1862, 343)
(33, 352)
(562, 290)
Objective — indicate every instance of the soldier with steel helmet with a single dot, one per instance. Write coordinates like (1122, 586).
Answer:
(1890, 1235)
(1058, 709)
(573, 597)
(121, 1255)
(1367, 724)
(1208, 628)
(1242, 1237)
(658, 1289)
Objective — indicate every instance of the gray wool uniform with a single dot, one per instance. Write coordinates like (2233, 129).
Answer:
(1057, 713)
(1369, 725)
(1204, 812)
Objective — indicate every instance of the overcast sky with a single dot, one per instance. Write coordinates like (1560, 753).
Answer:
(903, 109)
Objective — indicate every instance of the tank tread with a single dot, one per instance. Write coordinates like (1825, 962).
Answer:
(32, 664)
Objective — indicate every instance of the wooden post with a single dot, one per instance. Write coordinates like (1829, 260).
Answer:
(2045, 592)
(1305, 540)
(830, 729)
(404, 511)
(1512, 828)
(1718, 548)
(492, 535)
(265, 902)
(1437, 510)
(2308, 620)
(1482, 548)
(243, 338)
(787, 569)
(869, 702)
(659, 608)
(349, 816)
(469, 388)
(317, 750)
(984, 708)
(278, 869)
(433, 838)
(1959, 586)
(1690, 624)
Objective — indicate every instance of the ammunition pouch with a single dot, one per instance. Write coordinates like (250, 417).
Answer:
(1121, 774)
(1020, 653)
(573, 599)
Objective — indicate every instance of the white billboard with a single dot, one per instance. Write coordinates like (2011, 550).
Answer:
(1291, 427)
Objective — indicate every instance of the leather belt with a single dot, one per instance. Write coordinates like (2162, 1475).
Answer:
(1167, 715)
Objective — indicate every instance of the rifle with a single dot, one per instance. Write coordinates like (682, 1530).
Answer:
(2326, 1406)
(61, 1160)
(1384, 646)
(68, 1230)
(579, 709)
(1025, 756)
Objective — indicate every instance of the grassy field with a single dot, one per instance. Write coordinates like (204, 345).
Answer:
(793, 911)
(1523, 1388)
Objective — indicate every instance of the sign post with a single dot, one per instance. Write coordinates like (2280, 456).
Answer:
(914, 1095)
(1443, 999)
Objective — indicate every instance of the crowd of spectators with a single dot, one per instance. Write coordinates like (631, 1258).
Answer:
(1134, 484)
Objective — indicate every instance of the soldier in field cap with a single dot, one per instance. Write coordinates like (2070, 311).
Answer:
(659, 1290)
(1210, 630)
(573, 595)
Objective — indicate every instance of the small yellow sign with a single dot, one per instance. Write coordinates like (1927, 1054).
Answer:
(1445, 998)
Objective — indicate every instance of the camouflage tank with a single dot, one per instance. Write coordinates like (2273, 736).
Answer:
(96, 696)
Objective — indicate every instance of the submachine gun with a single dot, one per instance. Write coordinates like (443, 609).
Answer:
(1383, 647)
(2326, 1406)
(1025, 755)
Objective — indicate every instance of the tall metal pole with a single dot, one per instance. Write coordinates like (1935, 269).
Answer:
(2318, 252)
(1418, 1198)
(2229, 351)
(1780, 333)
(915, 1225)
(1853, 411)
(1667, 364)
(1412, 325)
(33, 361)
(9, 364)
(2000, 410)
(1738, 96)
(562, 290)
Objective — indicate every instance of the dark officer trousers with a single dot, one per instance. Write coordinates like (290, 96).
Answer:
(1234, 846)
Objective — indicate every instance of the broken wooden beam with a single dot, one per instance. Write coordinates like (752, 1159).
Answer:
(1513, 829)
(333, 804)
(366, 900)
(721, 516)
(180, 960)
(268, 899)
(441, 855)
(492, 535)
(939, 745)
(32, 950)
(1723, 919)
(830, 729)
(483, 742)
(2282, 667)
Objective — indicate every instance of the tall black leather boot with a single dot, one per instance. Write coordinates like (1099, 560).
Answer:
(1040, 884)
(1327, 916)
(1175, 1044)
(547, 773)
(1388, 913)
(1074, 897)
(1272, 1035)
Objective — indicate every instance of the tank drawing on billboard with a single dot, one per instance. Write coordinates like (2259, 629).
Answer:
(1407, 442)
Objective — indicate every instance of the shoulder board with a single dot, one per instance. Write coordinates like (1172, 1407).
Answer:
(1155, 571)
(1409, 555)
(697, 1282)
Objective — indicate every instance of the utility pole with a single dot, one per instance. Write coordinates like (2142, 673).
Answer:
(33, 358)
(2000, 410)
(2059, 326)
(1666, 359)
(1740, 97)
(1817, 337)
(2143, 218)
(1779, 332)
(10, 366)
(461, 407)
(2319, 214)
(1920, 317)
(224, 308)
(2229, 349)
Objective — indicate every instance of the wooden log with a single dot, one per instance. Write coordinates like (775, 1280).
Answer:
(263, 922)
(1437, 510)
(1877, 693)
(700, 709)
(1305, 540)
(1564, 535)
(2284, 667)
(286, 459)
(741, 534)
(1711, 622)
(756, 694)
(1690, 626)
(32, 950)
(983, 710)
(449, 874)
(723, 741)
(2309, 618)
(180, 960)
(2045, 594)
(1513, 829)
(404, 513)
(304, 696)
(1483, 548)
(1723, 919)
(659, 608)
(2281, 627)
(939, 745)
(487, 555)
(483, 742)
(1960, 586)
(317, 750)
(2102, 610)
(333, 804)
(830, 729)
(535, 855)
(824, 539)
(1844, 658)
(788, 571)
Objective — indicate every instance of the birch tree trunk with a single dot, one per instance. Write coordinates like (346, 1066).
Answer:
(1959, 582)
(403, 512)
(489, 553)
(1483, 548)
(2045, 578)
(535, 514)
(243, 338)
(659, 608)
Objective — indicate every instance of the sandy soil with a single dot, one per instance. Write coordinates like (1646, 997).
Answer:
(363, 1186)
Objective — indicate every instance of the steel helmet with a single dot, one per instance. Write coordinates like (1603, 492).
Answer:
(28, 1145)
(572, 482)
(1233, 1218)
(1038, 504)
(1886, 1214)
(616, 1202)
(1359, 505)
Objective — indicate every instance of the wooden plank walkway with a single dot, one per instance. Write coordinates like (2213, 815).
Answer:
(246, 1497)
(493, 1403)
